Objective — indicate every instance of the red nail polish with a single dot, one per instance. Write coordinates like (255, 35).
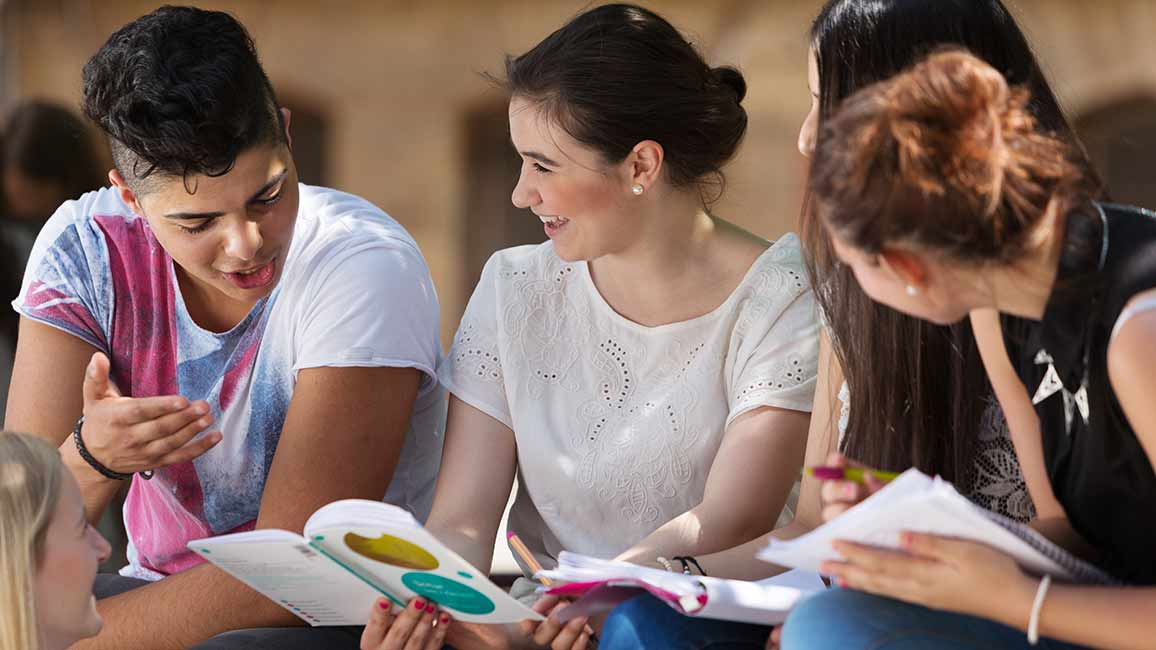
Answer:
(383, 605)
(444, 619)
(418, 605)
(841, 582)
(429, 607)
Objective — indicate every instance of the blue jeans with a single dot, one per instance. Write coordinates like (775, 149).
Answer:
(844, 619)
(647, 622)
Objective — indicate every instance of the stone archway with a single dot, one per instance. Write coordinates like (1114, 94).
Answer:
(490, 221)
(310, 129)
(1121, 139)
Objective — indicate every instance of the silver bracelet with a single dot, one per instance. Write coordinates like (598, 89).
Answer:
(1037, 605)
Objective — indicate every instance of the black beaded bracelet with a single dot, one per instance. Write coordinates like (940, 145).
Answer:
(96, 464)
(688, 561)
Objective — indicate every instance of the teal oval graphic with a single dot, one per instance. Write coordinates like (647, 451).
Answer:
(447, 593)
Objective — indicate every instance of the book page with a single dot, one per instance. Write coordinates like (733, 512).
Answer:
(602, 584)
(292, 574)
(384, 545)
(917, 503)
(760, 603)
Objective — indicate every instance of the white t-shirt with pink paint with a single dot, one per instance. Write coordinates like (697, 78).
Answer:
(355, 291)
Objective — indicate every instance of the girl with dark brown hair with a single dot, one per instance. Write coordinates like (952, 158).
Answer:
(892, 391)
(943, 194)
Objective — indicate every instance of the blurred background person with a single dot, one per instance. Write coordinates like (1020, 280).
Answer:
(47, 156)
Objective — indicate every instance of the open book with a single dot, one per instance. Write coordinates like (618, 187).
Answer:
(600, 585)
(918, 503)
(353, 552)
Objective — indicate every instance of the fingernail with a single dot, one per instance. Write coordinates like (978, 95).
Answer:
(203, 422)
(850, 490)
(841, 582)
(905, 539)
(444, 619)
(430, 608)
(200, 409)
(419, 605)
(381, 604)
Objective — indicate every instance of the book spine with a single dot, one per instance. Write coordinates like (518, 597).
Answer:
(357, 574)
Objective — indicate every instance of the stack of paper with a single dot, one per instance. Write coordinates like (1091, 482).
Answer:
(599, 585)
(918, 503)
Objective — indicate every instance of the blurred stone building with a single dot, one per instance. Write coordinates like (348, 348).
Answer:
(388, 101)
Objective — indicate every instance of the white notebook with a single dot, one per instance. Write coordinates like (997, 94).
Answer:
(599, 585)
(918, 503)
(355, 551)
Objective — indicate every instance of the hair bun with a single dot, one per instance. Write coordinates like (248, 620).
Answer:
(959, 86)
(946, 157)
(732, 79)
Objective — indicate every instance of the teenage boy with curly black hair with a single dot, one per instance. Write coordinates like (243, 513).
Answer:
(242, 347)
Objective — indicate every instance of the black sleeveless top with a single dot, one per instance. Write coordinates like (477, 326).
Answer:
(1099, 472)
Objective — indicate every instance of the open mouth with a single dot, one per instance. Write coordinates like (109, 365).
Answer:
(553, 225)
(253, 278)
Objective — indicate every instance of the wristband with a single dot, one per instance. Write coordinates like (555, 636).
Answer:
(96, 464)
(1037, 605)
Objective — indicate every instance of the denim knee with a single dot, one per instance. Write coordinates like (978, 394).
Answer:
(620, 630)
(837, 619)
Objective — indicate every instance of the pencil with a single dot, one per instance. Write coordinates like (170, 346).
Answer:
(526, 556)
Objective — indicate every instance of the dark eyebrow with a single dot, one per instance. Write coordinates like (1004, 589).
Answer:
(270, 185)
(539, 157)
(194, 215)
(212, 215)
(545, 160)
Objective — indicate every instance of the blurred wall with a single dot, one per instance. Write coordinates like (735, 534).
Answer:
(390, 97)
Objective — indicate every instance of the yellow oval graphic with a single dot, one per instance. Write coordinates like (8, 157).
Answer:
(393, 551)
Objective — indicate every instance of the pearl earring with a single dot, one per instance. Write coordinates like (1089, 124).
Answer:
(637, 189)
(912, 291)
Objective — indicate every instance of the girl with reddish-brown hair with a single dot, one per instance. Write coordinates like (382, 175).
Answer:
(892, 391)
(944, 195)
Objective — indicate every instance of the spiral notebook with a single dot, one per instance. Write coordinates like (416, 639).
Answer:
(918, 503)
(599, 585)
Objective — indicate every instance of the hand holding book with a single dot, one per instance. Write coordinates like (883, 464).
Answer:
(353, 553)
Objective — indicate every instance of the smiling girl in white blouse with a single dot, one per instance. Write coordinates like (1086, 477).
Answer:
(648, 372)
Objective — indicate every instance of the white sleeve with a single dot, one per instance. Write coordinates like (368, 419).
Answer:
(776, 360)
(68, 281)
(472, 370)
(373, 307)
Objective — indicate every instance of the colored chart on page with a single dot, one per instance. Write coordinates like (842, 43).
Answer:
(448, 593)
(393, 551)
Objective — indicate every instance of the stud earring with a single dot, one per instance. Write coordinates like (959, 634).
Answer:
(637, 189)
(912, 291)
